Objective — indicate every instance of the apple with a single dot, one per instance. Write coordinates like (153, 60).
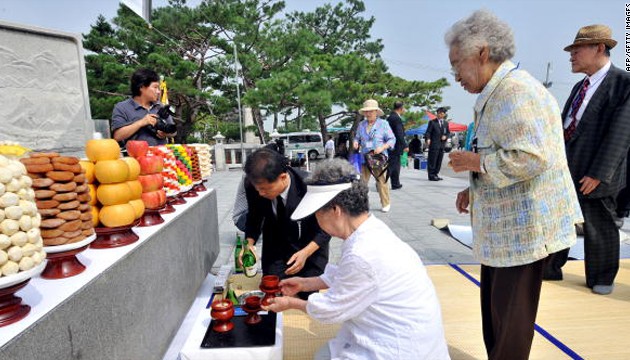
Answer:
(151, 182)
(137, 148)
(154, 199)
(150, 164)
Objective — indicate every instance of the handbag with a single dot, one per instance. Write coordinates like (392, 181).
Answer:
(377, 164)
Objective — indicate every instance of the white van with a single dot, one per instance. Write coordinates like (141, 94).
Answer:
(304, 140)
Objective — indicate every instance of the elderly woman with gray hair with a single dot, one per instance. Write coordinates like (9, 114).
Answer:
(522, 201)
(379, 290)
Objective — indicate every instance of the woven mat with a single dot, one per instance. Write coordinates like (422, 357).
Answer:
(594, 326)
(302, 336)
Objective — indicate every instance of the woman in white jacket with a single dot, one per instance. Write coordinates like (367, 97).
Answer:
(379, 290)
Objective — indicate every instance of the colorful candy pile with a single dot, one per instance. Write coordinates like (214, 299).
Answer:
(169, 172)
(184, 164)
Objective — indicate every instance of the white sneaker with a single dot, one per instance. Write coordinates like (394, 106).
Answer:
(386, 208)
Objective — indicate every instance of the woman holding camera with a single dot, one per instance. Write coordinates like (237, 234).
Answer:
(142, 117)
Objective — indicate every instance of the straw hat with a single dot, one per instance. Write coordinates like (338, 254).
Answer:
(593, 34)
(371, 104)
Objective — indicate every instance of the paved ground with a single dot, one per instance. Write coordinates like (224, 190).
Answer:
(413, 207)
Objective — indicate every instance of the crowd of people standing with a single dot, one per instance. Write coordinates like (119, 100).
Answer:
(535, 172)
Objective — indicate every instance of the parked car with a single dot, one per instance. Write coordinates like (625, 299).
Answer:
(311, 142)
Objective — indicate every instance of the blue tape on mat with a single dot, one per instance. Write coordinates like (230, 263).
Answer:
(540, 330)
(210, 301)
(558, 343)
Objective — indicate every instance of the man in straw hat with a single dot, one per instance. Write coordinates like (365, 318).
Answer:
(375, 136)
(596, 120)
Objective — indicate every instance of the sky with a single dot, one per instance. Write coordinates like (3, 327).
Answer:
(412, 32)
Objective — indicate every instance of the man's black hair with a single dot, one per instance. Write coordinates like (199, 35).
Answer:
(142, 77)
(398, 105)
(264, 164)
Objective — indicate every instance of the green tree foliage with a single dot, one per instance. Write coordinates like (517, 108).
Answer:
(338, 67)
(304, 69)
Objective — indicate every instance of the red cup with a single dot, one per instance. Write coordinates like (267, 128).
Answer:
(270, 281)
(252, 302)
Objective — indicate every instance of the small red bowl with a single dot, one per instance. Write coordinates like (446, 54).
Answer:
(270, 281)
(252, 302)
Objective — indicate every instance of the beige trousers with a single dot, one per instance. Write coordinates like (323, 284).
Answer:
(381, 184)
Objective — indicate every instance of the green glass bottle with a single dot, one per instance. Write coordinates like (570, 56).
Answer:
(249, 263)
(231, 295)
(237, 250)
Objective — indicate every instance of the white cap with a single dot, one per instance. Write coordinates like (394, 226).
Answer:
(317, 196)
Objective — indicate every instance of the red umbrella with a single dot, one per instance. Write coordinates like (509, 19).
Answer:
(455, 127)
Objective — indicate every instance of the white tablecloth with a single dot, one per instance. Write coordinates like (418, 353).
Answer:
(44, 295)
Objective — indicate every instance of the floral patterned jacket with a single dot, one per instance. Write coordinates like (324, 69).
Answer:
(523, 203)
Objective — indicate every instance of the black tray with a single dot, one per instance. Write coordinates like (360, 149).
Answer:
(243, 335)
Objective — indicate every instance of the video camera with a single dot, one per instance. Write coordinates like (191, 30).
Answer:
(161, 125)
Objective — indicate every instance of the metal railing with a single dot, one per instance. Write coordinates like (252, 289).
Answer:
(230, 156)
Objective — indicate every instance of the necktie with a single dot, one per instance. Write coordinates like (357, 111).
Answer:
(280, 210)
(575, 107)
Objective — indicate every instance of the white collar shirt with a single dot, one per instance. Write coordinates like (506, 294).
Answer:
(284, 195)
(382, 295)
(594, 81)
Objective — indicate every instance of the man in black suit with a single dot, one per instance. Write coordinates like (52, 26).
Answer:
(273, 191)
(415, 146)
(436, 135)
(395, 122)
(597, 136)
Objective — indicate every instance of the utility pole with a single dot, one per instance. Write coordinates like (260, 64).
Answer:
(238, 100)
(548, 83)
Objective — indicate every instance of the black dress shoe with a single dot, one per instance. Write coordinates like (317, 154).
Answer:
(396, 187)
(433, 178)
(439, 178)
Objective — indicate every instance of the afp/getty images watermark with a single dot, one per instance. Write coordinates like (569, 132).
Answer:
(627, 48)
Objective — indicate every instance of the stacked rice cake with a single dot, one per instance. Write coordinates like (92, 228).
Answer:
(62, 197)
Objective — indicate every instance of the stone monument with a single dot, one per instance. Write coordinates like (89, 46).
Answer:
(43, 89)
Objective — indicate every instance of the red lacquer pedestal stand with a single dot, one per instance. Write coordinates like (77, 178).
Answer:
(222, 312)
(252, 307)
(168, 208)
(107, 238)
(269, 294)
(200, 187)
(11, 308)
(151, 217)
(62, 260)
(190, 193)
(269, 284)
(178, 200)
(64, 264)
